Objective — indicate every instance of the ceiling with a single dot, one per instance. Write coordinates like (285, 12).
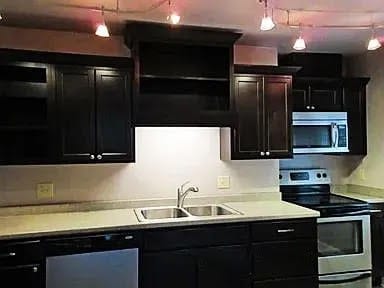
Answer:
(243, 15)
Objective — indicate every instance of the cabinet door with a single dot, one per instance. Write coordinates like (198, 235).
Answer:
(115, 131)
(377, 232)
(224, 267)
(355, 105)
(304, 282)
(248, 137)
(284, 259)
(76, 109)
(21, 276)
(300, 96)
(171, 269)
(278, 116)
(326, 96)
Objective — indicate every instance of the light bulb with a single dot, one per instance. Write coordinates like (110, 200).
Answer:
(374, 44)
(299, 44)
(267, 23)
(102, 30)
(174, 18)
(1, 17)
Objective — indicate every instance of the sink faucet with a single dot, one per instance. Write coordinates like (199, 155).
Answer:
(181, 194)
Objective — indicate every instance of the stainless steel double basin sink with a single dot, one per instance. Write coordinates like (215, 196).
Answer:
(191, 212)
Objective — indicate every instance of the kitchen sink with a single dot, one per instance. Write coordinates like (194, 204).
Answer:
(210, 210)
(160, 213)
(170, 213)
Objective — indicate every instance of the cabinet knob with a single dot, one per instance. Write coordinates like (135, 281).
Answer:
(99, 157)
(308, 107)
(267, 153)
(92, 157)
(313, 107)
(35, 269)
(262, 153)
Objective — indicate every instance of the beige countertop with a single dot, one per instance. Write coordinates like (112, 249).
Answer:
(360, 196)
(49, 224)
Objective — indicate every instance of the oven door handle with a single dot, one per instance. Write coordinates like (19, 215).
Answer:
(346, 280)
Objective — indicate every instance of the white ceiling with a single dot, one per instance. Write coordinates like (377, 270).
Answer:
(243, 15)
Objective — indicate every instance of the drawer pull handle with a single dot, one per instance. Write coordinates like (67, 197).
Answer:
(11, 254)
(285, 230)
(128, 237)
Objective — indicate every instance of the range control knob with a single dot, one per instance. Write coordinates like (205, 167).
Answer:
(318, 175)
(325, 175)
(280, 177)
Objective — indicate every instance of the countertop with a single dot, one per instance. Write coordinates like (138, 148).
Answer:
(360, 196)
(50, 224)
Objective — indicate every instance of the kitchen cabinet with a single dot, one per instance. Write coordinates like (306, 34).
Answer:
(355, 104)
(317, 95)
(95, 118)
(183, 77)
(21, 264)
(226, 266)
(21, 276)
(263, 129)
(26, 106)
(377, 240)
(268, 254)
(169, 269)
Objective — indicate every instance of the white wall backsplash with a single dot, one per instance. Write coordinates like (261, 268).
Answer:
(165, 158)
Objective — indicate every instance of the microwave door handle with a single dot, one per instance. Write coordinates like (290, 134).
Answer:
(335, 135)
(345, 280)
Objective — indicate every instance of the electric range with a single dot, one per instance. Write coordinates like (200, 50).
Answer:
(344, 235)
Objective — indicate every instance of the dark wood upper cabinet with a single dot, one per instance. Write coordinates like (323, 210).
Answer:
(317, 95)
(264, 108)
(95, 118)
(248, 138)
(278, 118)
(354, 98)
(75, 88)
(115, 130)
(26, 110)
(183, 76)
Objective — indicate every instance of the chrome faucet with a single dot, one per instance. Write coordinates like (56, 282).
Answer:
(181, 194)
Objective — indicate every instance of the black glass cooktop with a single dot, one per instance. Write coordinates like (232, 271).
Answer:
(319, 198)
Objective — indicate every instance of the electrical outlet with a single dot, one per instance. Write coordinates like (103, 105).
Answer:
(44, 191)
(223, 182)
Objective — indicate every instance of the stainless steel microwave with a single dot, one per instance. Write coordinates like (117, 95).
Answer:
(320, 132)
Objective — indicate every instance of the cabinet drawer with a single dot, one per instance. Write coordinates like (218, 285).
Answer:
(195, 237)
(23, 252)
(303, 282)
(284, 230)
(284, 259)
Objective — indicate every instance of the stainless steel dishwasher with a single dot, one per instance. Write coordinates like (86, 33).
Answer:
(97, 261)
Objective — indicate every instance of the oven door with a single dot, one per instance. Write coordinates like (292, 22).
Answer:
(321, 136)
(344, 244)
(346, 280)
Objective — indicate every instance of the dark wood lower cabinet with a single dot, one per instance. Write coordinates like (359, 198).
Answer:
(284, 259)
(377, 234)
(304, 282)
(171, 269)
(224, 267)
(22, 276)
